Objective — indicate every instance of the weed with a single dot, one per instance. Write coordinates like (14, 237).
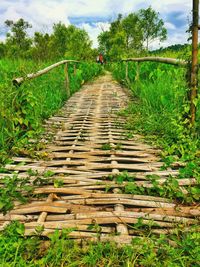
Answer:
(12, 190)
(118, 146)
(58, 183)
(106, 146)
(24, 109)
(59, 250)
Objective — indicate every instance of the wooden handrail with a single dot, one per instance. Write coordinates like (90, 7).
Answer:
(172, 61)
(20, 80)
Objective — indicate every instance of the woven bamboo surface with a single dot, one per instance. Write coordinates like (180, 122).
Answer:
(89, 149)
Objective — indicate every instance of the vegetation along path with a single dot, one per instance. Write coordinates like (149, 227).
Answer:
(97, 178)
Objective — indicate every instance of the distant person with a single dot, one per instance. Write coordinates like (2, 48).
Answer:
(101, 59)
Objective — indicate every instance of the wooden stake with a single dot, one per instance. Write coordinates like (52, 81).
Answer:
(67, 80)
(194, 66)
(74, 69)
(137, 77)
(127, 72)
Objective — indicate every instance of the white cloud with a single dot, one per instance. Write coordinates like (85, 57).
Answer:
(169, 26)
(42, 14)
(94, 30)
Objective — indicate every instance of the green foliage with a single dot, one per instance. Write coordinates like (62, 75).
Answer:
(159, 110)
(106, 146)
(123, 38)
(127, 36)
(24, 108)
(18, 43)
(70, 42)
(169, 189)
(58, 183)
(151, 26)
(11, 191)
(59, 250)
(158, 98)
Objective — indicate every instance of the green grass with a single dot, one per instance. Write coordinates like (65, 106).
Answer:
(22, 109)
(180, 249)
(157, 110)
(159, 105)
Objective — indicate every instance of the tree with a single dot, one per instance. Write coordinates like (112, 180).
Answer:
(17, 39)
(70, 42)
(152, 27)
(41, 49)
(78, 43)
(2, 50)
(59, 40)
(133, 33)
(124, 37)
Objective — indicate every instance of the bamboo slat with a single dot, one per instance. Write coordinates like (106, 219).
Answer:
(88, 151)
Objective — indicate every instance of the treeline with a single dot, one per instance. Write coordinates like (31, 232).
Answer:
(132, 35)
(174, 48)
(129, 35)
(63, 42)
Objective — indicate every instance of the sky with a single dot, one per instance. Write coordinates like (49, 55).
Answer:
(96, 15)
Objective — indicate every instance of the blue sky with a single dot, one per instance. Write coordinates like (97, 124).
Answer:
(95, 15)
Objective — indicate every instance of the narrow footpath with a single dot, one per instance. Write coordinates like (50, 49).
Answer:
(89, 167)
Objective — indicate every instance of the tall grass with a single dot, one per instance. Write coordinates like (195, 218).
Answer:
(160, 100)
(22, 109)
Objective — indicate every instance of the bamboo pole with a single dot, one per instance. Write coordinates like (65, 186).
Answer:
(194, 66)
(172, 61)
(18, 81)
(127, 71)
(67, 80)
(75, 69)
(137, 77)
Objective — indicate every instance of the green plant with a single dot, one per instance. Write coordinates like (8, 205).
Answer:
(58, 183)
(25, 108)
(178, 249)
(106, 146)
(11, 191)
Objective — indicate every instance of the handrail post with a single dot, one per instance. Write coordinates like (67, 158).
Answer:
(127, 79)
(67, 80)
(194, 66)
(74, 69)
(137, 76)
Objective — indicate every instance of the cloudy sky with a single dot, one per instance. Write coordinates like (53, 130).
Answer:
(95, 15)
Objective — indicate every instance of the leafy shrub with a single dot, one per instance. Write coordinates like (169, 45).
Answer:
(22, 109)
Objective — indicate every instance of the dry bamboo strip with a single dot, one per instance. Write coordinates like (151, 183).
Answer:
(99, 220)
(38, 209)
(41, 170)
(130, 214)
(58, 204)
(18, 217)
(80, 227)
(131, 202)
(43, 215)
(184, 211)
(133, 167)
(60, 190)
(119, 153)
(117, 196)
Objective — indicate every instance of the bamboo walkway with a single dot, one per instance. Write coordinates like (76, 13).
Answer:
(89, 150)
